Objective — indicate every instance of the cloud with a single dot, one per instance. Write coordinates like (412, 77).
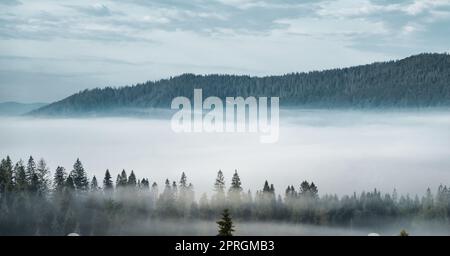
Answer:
(151, 39)
(10, 2)
(94, 10)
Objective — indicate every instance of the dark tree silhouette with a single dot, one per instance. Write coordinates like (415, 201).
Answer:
(107, 181)
(226, 227)
(416, 81)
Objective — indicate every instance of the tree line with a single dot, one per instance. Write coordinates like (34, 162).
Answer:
(416, 81)
(35, 201)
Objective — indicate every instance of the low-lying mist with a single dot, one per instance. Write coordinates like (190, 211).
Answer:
(209, 228)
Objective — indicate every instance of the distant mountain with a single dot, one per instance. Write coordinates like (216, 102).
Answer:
(418, 81)
(16, 108)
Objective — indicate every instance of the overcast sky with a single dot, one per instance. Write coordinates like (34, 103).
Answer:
(51, 49)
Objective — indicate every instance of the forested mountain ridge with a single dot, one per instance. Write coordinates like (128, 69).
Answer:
(418, 81)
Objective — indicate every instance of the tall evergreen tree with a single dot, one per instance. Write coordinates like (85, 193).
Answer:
(118, 181)
(34, 184)
(145, 185)
(107, 182)
(43, 174)
(132, 180)
(226, 227)
(79, 176)
(6, 175)
(59, 179)
(94, 184)
(174, 189)
(236, 183)
(313, 190)
(20, 176)
(122, 179)
(219, 184)
(304, 189)
(31, 169)
(266, 187)
(219, 188)
(183, 181)
(70, 184)
(234, 193)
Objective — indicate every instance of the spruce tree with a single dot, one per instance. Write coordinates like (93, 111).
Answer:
(183, 181)
(43, 174)
(122, 179)
(59, 179)
(31, 169)
(79, 176)
(70, 184)
(20, 176)
(6, 176)
(304, 189)
(226, 227)
(314, 192)
(174, 189)
(167, 192)
(236, 183)
(145, 185)
(183, 190)
(118, 181)
(94, 184)
(219, 188)
(132, 180)
(266, 188)
(107, 182)
(34, 184)
(219, 184)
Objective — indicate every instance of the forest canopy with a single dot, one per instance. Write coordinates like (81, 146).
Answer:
(35, 201)
(417, 81)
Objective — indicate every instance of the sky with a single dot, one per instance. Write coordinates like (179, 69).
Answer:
(52, 49)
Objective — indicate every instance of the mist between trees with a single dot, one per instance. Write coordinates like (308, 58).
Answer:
(33, 201)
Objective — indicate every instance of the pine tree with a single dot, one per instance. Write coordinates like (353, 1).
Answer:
(219, 188)
(122, 179)
(304, 189)
(266, 188)
(132, 180)
(219, 185)
(183, 191)
(236, 183)
(226, 227)
(107, 182)
(272, 189)
(145, 185)
(31, 169)
(314, 192)
(59, 180)
(70, 184)
(43, 174)
(34, 184)
(20, 176)
(118, 181)
(94, 184)
(6, 176)
(154, 192)
(79, 176)
(183, 181)
(174, 189)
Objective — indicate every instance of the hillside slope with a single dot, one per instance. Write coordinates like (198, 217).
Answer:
(417, 81)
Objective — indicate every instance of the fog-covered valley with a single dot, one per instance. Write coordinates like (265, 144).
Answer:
(341, 151)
